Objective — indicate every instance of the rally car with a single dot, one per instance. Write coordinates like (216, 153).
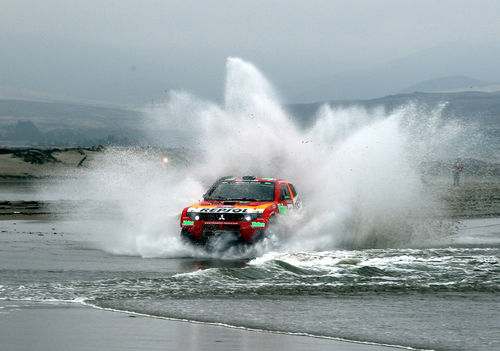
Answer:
(241, 207)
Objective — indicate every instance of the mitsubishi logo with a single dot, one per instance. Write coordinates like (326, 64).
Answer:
(221, 218)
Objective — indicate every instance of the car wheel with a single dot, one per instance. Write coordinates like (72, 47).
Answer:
(186, 237)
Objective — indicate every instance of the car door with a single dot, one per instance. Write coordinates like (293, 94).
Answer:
(286, 200)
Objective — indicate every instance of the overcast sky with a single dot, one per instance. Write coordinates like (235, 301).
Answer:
(153, 46)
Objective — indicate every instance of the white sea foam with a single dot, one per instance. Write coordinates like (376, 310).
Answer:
(356, 170)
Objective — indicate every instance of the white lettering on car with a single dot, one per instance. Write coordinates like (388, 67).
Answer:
(222, 210)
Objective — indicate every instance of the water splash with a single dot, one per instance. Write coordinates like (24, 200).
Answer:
(356, 170)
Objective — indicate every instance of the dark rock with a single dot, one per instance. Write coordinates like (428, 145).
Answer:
(35, 156)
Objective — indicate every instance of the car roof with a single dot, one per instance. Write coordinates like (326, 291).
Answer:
(253, 179)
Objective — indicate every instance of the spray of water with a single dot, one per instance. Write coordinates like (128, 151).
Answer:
(355, 169)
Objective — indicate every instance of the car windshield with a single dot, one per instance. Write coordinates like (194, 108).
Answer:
(242, 191)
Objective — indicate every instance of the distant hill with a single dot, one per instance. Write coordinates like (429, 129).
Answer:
(471, 108)
(44, 124)
(446, 83)
(479, 107)
(479, 60)
(26, 123)
(12, 93)
(66, 113)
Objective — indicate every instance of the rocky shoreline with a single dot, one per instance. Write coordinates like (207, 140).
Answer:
(32, 163)
(52, 163)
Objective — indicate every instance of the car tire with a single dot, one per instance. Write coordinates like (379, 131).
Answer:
(186, 237)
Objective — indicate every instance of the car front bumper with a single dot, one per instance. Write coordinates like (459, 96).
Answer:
(200, 231)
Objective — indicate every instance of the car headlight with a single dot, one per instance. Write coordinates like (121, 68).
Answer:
(194, 215)
(251, 216)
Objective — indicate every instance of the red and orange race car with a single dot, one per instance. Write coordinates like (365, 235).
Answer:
(242, 207)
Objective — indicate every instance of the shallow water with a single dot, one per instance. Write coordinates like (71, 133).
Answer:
(442, 297)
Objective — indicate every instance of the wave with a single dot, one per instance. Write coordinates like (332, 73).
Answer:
(293, 274)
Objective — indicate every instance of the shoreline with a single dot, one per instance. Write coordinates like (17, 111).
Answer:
(83, 326)
(256, 330)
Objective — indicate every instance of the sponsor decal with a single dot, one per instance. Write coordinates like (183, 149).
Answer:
(258, 224)
(187, 223)
(282, 209)
(223, 210)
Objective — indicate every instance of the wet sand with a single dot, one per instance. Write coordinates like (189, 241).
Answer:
(59, 326)
(473, 200)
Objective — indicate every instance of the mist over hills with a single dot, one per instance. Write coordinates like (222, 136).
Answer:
(55, 124)
(478, 113)
(447, 84)
(29, 123)
(477, 60)
(135, 77)
(480, 108)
